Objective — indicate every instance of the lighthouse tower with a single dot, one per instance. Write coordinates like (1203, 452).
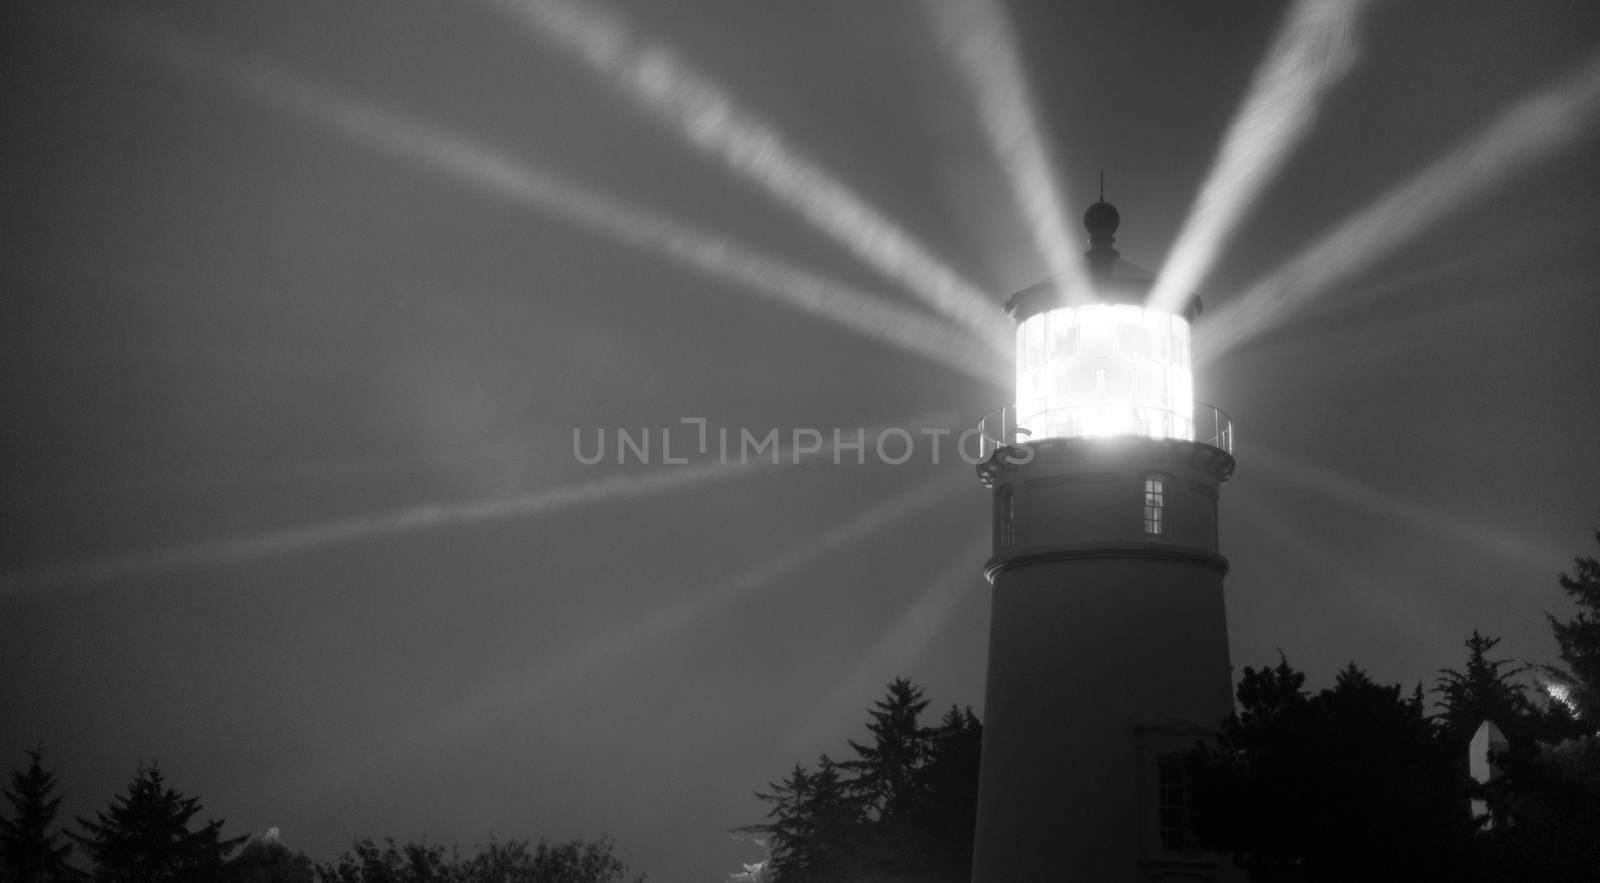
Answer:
(1108, 648)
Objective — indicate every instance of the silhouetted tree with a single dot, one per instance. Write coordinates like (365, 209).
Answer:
(415, 862)
(818, 827)
(512, 861)
(144, 836)
(264, 859)
(1579, 640)
(1352, 783)
(1547, 809)
(908, 814)
(1546, 802)
(576, 861)
(948, 815)
(29, 850)
(888, 771)
(1485, 690)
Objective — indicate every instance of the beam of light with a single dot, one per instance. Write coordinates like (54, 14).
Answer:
(1370, 339)
(1332, 589)
(325, 534)
(706, 117)
(1399, 611)
(871, 316)
(590, 660)
(1313, 50)
(335, 532)
(571, 667)
(1529, 131)
(903, 645)
(978, 39)
(1290, 470)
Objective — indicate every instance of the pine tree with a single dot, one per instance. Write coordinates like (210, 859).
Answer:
(1342, 785)
(1547, 799)
(264, 859)
(948, 817)
(908, 813)
(510, 861)
(144, 836)
(1484, 691)
(836, 825)
(817, 826)
(1579, 639)
(887, 771)
(890, 781)
(29, 850)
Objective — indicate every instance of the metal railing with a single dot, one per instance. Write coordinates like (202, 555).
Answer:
(1213, 426)
(999, 428)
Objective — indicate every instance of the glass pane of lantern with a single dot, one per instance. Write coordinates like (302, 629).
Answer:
(1105, 369)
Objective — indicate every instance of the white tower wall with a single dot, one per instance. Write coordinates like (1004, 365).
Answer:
(1108, 652)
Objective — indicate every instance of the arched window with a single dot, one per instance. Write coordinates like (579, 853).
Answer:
(1004, 517)
(1155, 505)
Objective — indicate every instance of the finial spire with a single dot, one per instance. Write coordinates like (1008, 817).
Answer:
(1102, 185)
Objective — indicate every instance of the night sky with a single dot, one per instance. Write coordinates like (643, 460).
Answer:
(303, 302)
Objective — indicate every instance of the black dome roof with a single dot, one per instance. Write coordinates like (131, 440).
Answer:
(1101, 219)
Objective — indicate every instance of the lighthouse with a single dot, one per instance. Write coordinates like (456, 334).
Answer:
(1108, 646)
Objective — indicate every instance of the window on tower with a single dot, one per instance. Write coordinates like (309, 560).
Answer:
(1172, 803)
(1155, 505)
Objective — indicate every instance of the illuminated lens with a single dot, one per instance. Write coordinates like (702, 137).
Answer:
(1104, 370)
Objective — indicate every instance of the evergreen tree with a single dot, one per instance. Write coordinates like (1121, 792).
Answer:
(1484, 691)
(1547, 809)
(576, 861)
(891, 782)
(948, 817)
(789, 829)
(908, 814)
(144, 836)
(818, 830)
(512, 861)
(1347, 784)
(1546, 802)
(417, 861)
(29, 849)
(1579, 640)
(888, 770)
(264, 859)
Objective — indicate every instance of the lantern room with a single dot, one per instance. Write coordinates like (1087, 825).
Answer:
(1094, 360)
(1104, 369)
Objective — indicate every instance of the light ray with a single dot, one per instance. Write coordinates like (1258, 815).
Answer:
(704, 115)
(572, 667)
(1358, 590)
(1500, 541)
(569, 668)
(324, 534)
(903, 644)
(1313, 50)
(498, 174)
(978, 39)
(1465, 264)
(1529, 131)
(1335, 346)
(335, 532)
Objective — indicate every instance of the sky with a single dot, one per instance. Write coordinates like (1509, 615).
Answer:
(305, 304)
